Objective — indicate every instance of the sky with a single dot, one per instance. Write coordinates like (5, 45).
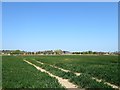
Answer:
(68, 26)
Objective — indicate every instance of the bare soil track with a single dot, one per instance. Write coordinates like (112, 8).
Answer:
(63, 82)
(77, 74)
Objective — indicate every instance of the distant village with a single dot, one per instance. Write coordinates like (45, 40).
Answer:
(54, 52)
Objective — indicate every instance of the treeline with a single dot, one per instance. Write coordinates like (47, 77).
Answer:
(90, 52)
(85, 52)
(47, 52)
(52, 52)
(98, 53)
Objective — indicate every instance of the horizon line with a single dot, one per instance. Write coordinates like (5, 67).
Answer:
(61, 49)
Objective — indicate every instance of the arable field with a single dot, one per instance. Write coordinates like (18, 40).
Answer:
(18, 74)
(80, 70)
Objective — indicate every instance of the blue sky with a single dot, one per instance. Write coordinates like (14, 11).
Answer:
(67, 26)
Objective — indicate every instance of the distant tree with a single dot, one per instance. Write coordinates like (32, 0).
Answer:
(58, 52)
(32, 52)
(85, 52)
(49, 52)
(73, 52)
(94, 52)
(16, 52)
(90, 52)
(81, 52)
(76, 53)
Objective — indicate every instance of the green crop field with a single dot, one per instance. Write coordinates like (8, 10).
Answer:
(16, 73)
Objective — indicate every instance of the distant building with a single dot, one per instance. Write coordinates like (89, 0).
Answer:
(66, 52)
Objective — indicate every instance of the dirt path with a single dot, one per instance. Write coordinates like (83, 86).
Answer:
(63, 82)
(77, 74)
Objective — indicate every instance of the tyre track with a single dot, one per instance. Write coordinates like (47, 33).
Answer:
(77, 74)
(63, 82)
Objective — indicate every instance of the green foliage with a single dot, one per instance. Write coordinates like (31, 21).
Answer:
(58, 52)
(53, 70)
(83, 81)
(16, 52)
(101, 67)
(18, 74)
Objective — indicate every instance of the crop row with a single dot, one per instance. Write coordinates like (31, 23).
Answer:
(83, 81)
(101, 67)
(18, 74)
